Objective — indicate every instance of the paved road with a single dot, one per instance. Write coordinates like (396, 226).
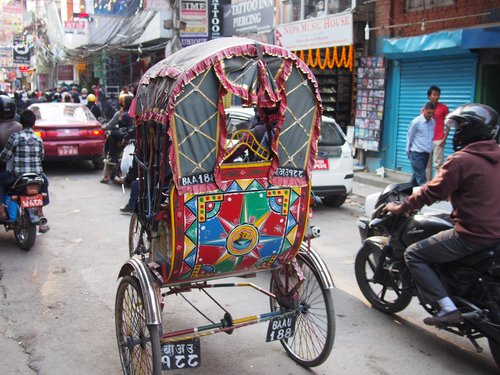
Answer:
(57, 301)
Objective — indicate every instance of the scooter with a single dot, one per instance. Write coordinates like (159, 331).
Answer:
(473, 282)
(23, 199)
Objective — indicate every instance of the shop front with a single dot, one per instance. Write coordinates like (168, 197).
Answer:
(325, 44)
(444, 59)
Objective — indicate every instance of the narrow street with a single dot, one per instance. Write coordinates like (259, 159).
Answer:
(57, 308)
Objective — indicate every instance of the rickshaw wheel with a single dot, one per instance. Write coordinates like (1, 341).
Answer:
(138, 343)
(315, 327)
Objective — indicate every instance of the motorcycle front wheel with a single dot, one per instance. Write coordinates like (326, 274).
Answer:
(388, 291)
(495, 351)
(25, 231)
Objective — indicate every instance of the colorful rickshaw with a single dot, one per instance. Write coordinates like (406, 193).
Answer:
(217, 201)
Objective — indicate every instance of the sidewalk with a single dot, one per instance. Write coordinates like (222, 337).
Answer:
(366, 183)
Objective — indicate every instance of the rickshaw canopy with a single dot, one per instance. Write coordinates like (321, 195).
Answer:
(185, 91)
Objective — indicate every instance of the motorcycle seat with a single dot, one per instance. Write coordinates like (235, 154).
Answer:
(470, 260)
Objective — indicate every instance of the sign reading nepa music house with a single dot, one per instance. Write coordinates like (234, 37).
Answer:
(252, 16)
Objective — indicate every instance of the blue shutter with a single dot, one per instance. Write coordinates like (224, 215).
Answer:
(455, 76)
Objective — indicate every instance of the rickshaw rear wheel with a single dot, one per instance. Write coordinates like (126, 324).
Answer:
(315, 326)
(138, 342)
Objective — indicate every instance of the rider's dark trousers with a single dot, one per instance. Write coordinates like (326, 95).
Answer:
(443, 247)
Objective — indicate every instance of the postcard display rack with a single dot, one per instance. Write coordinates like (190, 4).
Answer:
(370, 103)
(335, 87)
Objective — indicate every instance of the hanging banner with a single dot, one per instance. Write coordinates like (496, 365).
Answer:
(251, 16)
(20, 52)
(329, 31)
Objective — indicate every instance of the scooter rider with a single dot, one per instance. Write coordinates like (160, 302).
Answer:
(469, 179)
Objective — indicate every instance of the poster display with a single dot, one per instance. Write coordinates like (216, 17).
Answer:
(369, 103)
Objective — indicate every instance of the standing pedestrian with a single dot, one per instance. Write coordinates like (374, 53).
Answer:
(440, 132)
(419, 143)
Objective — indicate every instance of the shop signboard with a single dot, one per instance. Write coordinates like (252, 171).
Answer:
(250, 16)
(5, 56)
(216, 18)
(65, 73)
(156, 4)
(321, 32)
(76, 26)
(195, 14)
(11, 17)
(20, 52)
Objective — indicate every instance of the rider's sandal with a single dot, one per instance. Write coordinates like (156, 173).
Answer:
(105, 180)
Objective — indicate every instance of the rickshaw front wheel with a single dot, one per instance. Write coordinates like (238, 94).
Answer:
(138, 342)
(315, 326)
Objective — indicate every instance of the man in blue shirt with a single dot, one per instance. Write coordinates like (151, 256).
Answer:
(419, 143)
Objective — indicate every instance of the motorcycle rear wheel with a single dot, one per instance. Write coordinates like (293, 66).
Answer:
(25, 231)
(390, 295)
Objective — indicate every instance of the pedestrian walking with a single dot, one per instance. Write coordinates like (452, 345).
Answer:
(419, 143)
(440, 132)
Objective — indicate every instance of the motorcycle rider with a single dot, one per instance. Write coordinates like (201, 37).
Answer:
(24, 154)
(120, 127)
(94, 108)
(469, 179)
(7, 126)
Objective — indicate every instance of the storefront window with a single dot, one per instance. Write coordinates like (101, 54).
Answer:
(296, 10)
(412, 5)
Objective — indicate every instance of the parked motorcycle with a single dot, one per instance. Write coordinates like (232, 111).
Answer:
(23, 198)
(473, 282)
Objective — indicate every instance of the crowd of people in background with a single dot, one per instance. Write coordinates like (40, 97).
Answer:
(101, 104)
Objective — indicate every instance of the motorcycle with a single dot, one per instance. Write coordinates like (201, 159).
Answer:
(23, 198)
(473, 282)
(125, 151)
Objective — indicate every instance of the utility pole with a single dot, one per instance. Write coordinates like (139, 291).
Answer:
(174, 44)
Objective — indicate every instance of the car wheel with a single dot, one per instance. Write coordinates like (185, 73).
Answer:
(98, 164)
(334, 200)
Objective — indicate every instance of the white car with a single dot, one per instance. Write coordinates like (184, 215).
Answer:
(333, 174)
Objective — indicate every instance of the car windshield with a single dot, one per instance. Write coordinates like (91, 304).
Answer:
(330, 135)
(62, 113)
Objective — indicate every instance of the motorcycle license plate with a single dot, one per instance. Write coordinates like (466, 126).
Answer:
(181, 354)
(281, 328)
(28, 201)
(321, 165)
(67, 150)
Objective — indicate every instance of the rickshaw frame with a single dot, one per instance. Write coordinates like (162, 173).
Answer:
(187, 185)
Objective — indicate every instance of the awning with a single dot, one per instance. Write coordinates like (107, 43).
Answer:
(443, 43)
(488, 37)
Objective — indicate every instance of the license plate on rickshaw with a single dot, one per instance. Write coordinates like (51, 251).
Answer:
(281, 328)
(321, 165)
(67, 150)
(181, 354)
(28, 201)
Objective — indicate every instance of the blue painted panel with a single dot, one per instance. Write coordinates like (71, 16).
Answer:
(456, 76)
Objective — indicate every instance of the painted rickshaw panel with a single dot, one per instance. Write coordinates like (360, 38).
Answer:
(228, 219)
